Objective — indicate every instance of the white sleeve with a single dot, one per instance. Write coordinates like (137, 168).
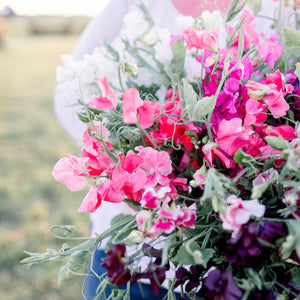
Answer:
(104, 28)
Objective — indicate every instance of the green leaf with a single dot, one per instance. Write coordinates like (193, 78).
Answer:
(241, 47)
(194, 107)
(78, 260)
(234, 9)
(175, 69)
(63, 274)
(259, 189)
(291, 42)
(216, 189)
(118, 294)
(255, 6)
(297, 70)
(189, 256)
(207, 255)
(296, 277)
(119, 218)
(134, 204)
(243, 158)
(277, 142)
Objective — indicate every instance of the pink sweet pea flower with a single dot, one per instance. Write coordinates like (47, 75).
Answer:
(108, 192)
(238, 212)
(229, 136)
(270, 50)
(211, 153)
(135, 109)
(90, 144)
(71, 171)
(201, 39)
(265, 176)
(108, 99)
(155, 161)
(188, 216)
(91, 201)
(276, 102)
(142, 218)
(153, 198)
(167, 227)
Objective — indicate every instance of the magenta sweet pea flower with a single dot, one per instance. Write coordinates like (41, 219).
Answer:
(108, 99)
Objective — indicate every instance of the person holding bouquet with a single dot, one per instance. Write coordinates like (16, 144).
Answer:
(103, 30)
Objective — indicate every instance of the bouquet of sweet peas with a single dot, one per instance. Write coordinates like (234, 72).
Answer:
(203, 144)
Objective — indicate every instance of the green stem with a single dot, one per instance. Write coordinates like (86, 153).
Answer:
(120, 79)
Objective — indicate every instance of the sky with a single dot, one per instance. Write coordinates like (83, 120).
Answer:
(55, 7)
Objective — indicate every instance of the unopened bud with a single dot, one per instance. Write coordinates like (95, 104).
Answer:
(129, 68)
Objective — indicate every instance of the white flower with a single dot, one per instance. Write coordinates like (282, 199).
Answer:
(185, 21)
(193, 68)
(135, 25)
(212, 20)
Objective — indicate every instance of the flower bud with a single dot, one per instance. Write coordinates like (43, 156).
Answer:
(129, 68)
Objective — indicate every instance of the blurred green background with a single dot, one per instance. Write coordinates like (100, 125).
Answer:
(31, 142)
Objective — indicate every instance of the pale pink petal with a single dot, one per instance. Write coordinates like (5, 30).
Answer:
(101, 103)
(91, 202)
(146, 113)
(132, 101)
(64, 172)
(106, 91)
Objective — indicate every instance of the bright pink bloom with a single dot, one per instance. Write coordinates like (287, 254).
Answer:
(135, 109)
(159, 226)
(276, 102)
(91, 201)
(154, 161)
(107, 192)
(238, 212)
(201, 39)
(188, 216)
(211, 153)
(71, 171)
(229, 136)
(285, 131)
(108, 99)
(256, 113)
(199, 178)
(90, 144)
(270, 50)
(153, 198)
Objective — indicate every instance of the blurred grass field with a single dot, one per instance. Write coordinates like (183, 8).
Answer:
(31, 142)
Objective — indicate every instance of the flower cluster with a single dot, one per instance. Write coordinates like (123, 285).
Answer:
(206, 152)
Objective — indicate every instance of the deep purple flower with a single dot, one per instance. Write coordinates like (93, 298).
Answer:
(262, 295)
(155, 273)
(244, 247)
(182, 275)
(221, 286)
(114, 265)
(272, 231)
(192, 277)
